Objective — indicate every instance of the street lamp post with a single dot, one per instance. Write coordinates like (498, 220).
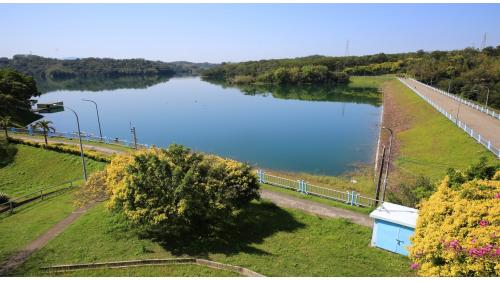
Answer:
(80, 138)
(388, 162)
(98, 119)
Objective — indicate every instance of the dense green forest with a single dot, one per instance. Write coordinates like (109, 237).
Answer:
(49, 68)
(96, 84)
(468, 72)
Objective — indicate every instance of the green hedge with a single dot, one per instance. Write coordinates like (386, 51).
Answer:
(59, 147)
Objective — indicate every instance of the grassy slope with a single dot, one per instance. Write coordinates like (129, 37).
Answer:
(150, 271)
(268, 239)
(75, 141)
(35, 168)
(432, 143)
(32, 220)
(318, 199)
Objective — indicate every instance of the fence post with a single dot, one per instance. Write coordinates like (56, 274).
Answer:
(479, 139)
(489, 145)
(259, 172)
(348, 197)
(471, 132)
(263, 174)
(304, 186)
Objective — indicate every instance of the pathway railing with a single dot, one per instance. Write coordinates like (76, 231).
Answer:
(37, 194)
(486, 143)
(476, 106)
(352, 198)
(74, 135)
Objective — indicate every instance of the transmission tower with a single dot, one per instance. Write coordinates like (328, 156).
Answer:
(347, 49)
(483, 43)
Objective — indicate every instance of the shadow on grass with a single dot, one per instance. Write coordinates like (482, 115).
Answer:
(258, 221)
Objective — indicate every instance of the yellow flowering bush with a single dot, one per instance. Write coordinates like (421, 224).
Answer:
(174, 191)
(458, 229)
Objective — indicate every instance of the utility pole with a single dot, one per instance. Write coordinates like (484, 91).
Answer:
(377, 193)
(388, 162)
(134, 136)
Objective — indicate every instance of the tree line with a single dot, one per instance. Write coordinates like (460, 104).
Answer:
(50, 68)
(469, 72)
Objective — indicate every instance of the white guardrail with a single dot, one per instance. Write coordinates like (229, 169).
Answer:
(460, 124)
(476, 106)
(74, 136)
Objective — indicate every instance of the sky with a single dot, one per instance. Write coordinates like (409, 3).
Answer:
(240, 32)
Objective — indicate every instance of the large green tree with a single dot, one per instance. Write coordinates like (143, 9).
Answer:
(16, 90)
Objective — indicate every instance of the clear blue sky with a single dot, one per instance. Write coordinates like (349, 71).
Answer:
(237, 32)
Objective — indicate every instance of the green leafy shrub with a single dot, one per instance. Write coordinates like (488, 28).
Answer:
(174, 191)
(7, 153)
(410, 193)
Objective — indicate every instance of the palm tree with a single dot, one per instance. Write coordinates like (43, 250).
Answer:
(5, 122)
(46, 127)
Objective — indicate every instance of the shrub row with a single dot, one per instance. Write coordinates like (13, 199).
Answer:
(59, 147)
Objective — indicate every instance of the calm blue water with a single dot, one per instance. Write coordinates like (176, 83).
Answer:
(321, 137)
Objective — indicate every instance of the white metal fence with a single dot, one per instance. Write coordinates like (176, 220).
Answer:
(349, 197)
(476, 106)
(460, 124)
(74, 136)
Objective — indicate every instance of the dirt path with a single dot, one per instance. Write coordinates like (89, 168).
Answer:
(483, 124)
(312, 207)
(279, 199)
(38, 243)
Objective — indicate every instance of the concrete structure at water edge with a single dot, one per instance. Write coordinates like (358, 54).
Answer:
(393, 226)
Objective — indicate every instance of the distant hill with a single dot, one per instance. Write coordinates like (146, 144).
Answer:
(69, 68)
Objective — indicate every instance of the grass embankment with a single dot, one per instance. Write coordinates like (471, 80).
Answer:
(32, 220)
(267, 239)
(35, 168)
(428, 143)
(74, 141)
(318, 199)
(177, 270)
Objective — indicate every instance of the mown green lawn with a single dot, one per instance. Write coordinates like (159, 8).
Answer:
(32, 220)
(318, 199)
(267, 239)
(432, 144)
(179, 270)
(35, 168)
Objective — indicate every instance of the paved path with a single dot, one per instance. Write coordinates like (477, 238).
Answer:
(316, 208)
(105, 150)
(482, 123)
(38, 243)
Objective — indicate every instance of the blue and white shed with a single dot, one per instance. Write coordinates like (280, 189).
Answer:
(393, 226)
